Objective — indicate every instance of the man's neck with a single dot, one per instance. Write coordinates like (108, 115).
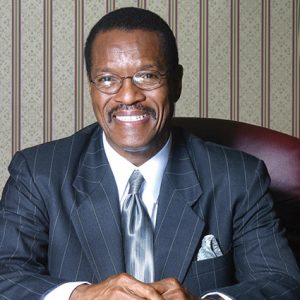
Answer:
(139, 156)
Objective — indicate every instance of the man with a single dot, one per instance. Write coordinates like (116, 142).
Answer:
(64, 211)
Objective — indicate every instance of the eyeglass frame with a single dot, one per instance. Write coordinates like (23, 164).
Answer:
(122, 78)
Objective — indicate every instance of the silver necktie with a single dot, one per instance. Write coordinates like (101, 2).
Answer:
(137, 233)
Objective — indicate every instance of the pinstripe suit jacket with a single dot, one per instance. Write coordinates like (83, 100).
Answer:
(60, 221)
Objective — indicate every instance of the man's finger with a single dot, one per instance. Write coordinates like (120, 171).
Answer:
(165, 285)
(145, 291)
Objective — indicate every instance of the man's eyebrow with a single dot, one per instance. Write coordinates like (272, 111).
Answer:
(143, 67)
(106, 70)
(149, 66)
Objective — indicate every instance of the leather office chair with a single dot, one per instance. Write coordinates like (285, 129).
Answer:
(279, 151)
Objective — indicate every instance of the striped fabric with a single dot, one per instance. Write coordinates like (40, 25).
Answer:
(296, 68)
(16, 76)
(265, 61)
(241, 60)
(203, 59)
(47, 116)
(60, 221)
(235, 56)
(79, 75)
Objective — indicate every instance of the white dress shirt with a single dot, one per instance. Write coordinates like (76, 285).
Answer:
(152, 171)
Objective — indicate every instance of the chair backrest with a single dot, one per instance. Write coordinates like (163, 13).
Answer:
(279, 151)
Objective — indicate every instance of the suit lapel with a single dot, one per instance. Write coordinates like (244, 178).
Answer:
(96, 217)
(178, 228)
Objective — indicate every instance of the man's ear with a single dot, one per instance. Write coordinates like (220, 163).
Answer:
(89, 83)
(177, 83)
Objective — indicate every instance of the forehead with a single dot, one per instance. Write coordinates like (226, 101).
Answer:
(117, 48)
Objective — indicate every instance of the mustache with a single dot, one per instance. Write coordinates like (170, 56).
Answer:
(146, 110)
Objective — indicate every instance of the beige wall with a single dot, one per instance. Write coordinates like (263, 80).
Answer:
(241, 61)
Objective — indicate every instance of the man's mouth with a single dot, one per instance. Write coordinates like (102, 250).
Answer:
(131, 113)
(130, 118)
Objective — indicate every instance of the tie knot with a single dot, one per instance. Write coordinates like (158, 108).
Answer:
(135, 182)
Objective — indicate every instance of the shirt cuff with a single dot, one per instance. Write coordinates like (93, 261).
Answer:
(64, 291)
(225, 297)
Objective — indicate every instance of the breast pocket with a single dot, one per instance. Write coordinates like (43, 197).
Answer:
(210, 274)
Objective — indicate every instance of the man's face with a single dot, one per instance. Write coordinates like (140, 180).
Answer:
(134, 120)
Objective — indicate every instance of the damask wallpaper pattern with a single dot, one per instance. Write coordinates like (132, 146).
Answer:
(241, 61)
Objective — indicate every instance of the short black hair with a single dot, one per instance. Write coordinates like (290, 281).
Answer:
(131, 18)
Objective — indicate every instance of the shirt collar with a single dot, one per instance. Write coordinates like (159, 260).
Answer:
(152, 170)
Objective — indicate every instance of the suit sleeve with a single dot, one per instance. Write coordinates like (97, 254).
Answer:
(23, 236)
(264, 264)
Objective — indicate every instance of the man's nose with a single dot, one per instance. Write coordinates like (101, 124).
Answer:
(129, 93)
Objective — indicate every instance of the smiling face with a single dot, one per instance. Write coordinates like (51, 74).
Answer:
(135, 121)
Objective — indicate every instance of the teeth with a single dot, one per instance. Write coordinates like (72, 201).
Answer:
(130, 118)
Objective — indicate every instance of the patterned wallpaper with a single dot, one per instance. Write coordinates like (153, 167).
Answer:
(241, 61)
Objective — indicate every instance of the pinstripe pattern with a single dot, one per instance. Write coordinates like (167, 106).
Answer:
(216, 212)
(257, 110)
(173, 16)
(142, 4)
(110, 5)
(234, 67)
(172, 20)
(79, 69)
(16, 76)
(47, 136)
(296, 68)
(203, 58)
(81, 208)
(265, 61)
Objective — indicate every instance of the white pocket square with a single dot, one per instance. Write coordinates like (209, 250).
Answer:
(209, 248)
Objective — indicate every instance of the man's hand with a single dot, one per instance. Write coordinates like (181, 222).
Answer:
(121, 286)
(170, 288)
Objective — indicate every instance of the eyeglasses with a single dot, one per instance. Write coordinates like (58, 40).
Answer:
(109, 83)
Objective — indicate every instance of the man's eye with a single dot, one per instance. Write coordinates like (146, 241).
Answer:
(149, 75)
(105, 80)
